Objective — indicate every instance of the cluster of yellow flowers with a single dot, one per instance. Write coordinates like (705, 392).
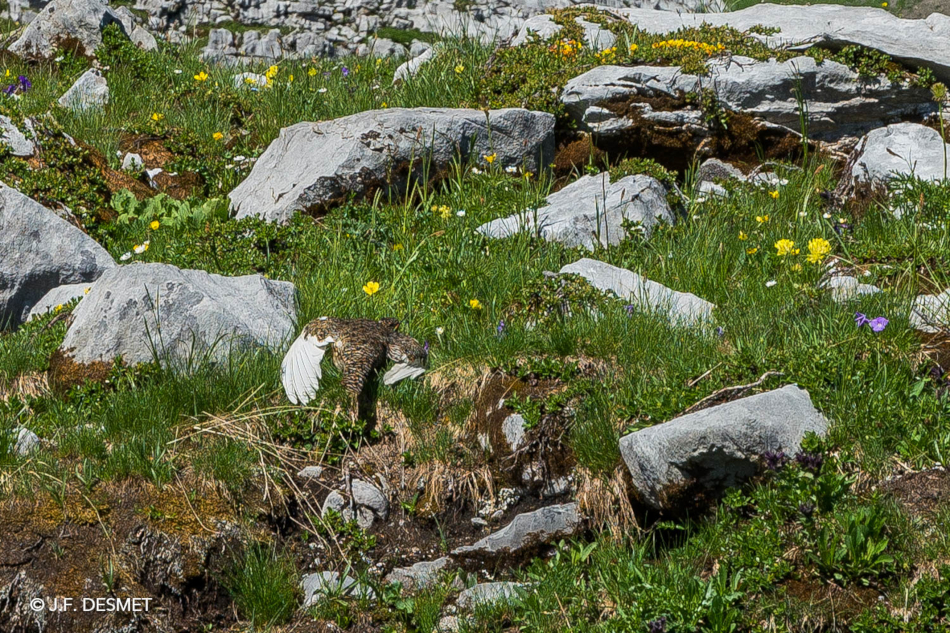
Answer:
(818, 249)
(709, 49)
(565, 48)
(444, 212)
(607, 56)
(202, 76)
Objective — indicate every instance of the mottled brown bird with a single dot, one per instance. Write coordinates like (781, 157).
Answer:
(359, 348)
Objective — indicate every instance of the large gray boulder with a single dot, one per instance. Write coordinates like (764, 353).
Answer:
(917, 43)
(582, 215)
(718, 447)
(88, 92)
(901, 149)
(526, 531)
(17, 142)
(610, 101)
(312, 166)
(78, 23)
(40, 251)
(683, 308)
(143, 310)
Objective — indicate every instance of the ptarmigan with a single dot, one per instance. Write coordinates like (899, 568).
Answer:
(359, 348)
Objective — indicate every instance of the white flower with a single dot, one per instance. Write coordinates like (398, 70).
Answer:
(322, 90)
(460, 213)
(802, 214)
(770, 283)
(511, 169)
(476, 170)
(178, 71)
(439, 331)
(125, 257)
(826, 216)
(141, 248)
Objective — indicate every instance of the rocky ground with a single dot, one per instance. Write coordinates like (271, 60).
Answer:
(680, 281)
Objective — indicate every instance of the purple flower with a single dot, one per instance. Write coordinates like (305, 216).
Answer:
(720, 332)
(629, 309)
(425, 348)
(860, 319)
(25, 84)
(775, 461)
(9, 90)
(810, 461)
(501, 327)
(346, 71)
(878, 324)
(657, 626)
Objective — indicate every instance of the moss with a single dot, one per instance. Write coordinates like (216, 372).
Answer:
(405, 36)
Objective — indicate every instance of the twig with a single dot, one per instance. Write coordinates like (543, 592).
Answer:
(717, 395)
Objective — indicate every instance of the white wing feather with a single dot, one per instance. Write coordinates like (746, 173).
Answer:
(400, 371)
(300, 370)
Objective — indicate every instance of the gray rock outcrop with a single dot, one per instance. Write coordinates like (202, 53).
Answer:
(526, 531)
(313, 166)
(39, 251)
(420, 575)
(331, 583)
(59, 296)
(931, 313)
(683, 308)
(369, 504)
(581, 214)
(79, 22)
(141, 311)
(719, 447)
(614, 100)
(12, 137)
(488, 593)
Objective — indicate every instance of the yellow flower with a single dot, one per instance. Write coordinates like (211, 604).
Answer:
(475, 304)
(774, 194)
(818, 248)
(290, 79)
(217, 136)
(384, 105)
(490, 158)
(141, 248)
(312, 72)
(8, 73)
(157, 117)
(883, 5)
(752, 251)
(271, 72)
(761, 219)
(86, 291)
(443, 211)
(250, 81)
(797, 267)
(634, 48)
(459, 69)
(742, 236)
(154, 225)
(371, 288)
(397, 247)
(202, 76)
(784, 247)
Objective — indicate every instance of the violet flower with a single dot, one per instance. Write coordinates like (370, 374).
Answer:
(25, 84)
(629, 309)
(878, 324)
(501, 327)
(346, 71)
(860, 319)
(810, 461)
(775, 461)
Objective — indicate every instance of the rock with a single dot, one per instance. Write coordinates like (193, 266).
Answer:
(59, 296)
(11, 136)
(409, 68)
(595, 36)
(845, 288)
(38, 252)
(267, 48)
(381, 47)
(580, 215)
(684, 308)
(369, 504)
(900, 149)
(331, 583)
(840, 102)
(526, 531)
(420, 575)
(88, 92)
(716, 171)
(417, 48)
(132, 162)
(488, 593)
(140, 310)
(449, 624)
(513, 428)
(917, 43)
(311, 472)
(26, 441)
(370, 151)
(220, 46)
(931, 313)
(718, 447)
(78, 23)
(249, 80)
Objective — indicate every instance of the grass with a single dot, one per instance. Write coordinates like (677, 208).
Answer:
(797, 546)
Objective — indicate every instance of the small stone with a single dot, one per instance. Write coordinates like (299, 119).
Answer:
(513, 427)
(90, 91)
(420, 575)
(311, 472)
(132, 162)
(489, 593)
(316, 586)
(26, 442)
(527, 530)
